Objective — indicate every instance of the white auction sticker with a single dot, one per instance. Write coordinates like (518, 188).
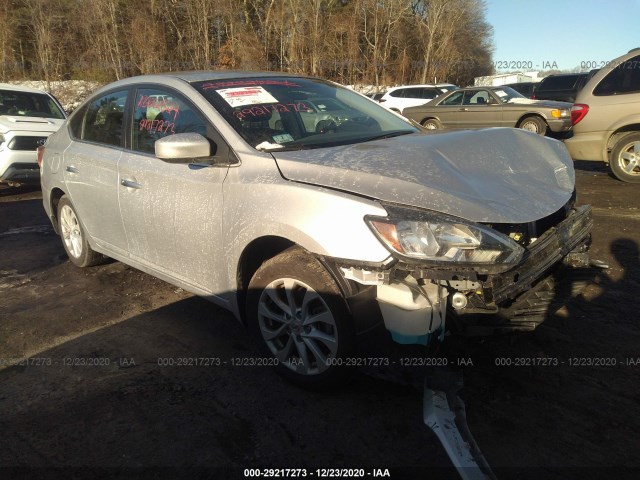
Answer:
(240, 96)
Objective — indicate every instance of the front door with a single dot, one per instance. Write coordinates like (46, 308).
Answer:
(172, 212)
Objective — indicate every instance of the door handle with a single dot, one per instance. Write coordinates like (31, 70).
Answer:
(130, 184)
(72, 169)
(464, 109)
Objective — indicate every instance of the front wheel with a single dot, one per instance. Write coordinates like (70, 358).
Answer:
(299, 320)
(534, 124)
(625, 158)
(74, 238)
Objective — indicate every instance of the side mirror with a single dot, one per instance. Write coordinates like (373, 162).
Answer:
(182, 148)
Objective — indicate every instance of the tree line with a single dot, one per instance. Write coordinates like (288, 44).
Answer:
(379, 42)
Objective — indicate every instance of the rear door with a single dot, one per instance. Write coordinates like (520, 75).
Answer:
(91, 168)
(172, 212)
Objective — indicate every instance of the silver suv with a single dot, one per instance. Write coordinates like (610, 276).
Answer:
(27, 117)
(606, 118)
(320, 240)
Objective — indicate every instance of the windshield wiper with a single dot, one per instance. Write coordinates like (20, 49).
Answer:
(395, 133)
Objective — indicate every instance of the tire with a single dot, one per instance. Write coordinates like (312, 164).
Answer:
(74, 238)
(534, 124)
(431, 124)
(625, 158)
(314, 355)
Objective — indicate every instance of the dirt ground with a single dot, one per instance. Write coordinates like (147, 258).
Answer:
(87, 389)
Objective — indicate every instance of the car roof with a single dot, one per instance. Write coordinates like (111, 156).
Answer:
(19, 88)
(411, 86)
(201, 76)
(578, 74)
(481, 87)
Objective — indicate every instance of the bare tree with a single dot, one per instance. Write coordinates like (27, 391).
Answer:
(351, 41)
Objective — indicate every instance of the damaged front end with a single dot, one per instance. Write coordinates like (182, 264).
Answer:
(478, 278)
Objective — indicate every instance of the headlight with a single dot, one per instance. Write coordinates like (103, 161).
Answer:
(560, 113)
(439, 238)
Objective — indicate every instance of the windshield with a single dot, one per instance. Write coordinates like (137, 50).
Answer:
(290, 113)
(508, 94)
(27, 104)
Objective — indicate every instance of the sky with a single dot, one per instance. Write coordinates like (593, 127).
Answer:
(533, 35)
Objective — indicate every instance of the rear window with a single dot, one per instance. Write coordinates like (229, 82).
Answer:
(400, 93)
(563, 82)
(624, 78)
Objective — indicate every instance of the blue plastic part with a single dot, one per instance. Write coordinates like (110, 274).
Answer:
(411, 339)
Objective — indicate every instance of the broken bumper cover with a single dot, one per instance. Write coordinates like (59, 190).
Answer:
(518, 299)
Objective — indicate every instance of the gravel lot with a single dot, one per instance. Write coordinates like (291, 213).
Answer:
(96, 398)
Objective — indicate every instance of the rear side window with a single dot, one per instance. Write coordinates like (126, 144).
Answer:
(480, 97)
(563, 82)
(101, 120)
(624, 78)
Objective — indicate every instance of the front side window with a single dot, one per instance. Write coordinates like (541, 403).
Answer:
(159, 113)
(453, 99)
(102, 120)
(623, 78)
(292, 113)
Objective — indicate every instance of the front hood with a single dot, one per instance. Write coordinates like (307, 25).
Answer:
(29, 124)
(498, 175)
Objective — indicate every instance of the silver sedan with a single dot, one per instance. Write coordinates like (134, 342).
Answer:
(321, 239)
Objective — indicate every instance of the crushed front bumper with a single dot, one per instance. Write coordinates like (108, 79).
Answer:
(518, 299)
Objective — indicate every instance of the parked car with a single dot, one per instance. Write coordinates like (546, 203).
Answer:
(562, 87)
(526, 89)
(376, 96)
(480, 107)
(316, 240)
(27, 117)
(324, 113)
(606, 118)
(399, 98)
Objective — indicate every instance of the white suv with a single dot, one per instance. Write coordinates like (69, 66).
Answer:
(399, 98)
(27, 117)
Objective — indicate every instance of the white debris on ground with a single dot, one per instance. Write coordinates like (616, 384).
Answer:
(70, 93)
